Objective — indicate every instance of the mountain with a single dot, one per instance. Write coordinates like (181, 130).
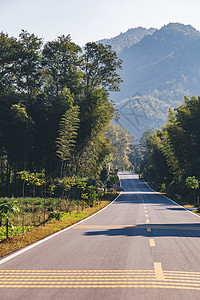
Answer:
(127, 39)
(158, 71)
(166, 58)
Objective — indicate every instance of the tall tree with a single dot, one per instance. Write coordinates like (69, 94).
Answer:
(96, 113)
(28, 64)
(19, 134)
(100, 67)
(9, 49)
(121, 142)
(61, 60)
(67, 138)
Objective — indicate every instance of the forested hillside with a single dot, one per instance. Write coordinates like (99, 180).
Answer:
(54, 108)
(158, 71)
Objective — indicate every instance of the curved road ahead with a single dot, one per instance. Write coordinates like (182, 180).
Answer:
(142, 246)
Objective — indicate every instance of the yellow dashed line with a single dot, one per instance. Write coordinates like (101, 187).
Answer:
(147, 221)
(159, 271)
(152, 243)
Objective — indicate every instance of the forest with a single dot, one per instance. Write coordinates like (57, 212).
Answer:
(54, 108)
(170, 157)
(56, 139)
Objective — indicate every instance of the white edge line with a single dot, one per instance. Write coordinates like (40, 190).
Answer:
(173, 201)
(18, 252)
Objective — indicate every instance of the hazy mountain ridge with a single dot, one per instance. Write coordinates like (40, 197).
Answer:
(127, 39)
(166, 61)
(159, 59)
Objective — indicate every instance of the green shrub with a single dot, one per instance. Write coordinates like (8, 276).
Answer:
(55, 215)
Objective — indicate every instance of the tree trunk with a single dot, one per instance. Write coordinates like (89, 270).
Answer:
(7, 227)
(23, 184)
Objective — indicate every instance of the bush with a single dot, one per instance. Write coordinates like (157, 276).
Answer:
(55, 215)
(163, 187)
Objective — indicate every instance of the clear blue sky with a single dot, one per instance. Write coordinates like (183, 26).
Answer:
(91, 20)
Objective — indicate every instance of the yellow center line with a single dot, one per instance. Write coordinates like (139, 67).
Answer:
(152, 243)
(159, 271)
(147, 215)
(147, 221)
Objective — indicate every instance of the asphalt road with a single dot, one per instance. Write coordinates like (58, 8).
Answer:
(143, 246)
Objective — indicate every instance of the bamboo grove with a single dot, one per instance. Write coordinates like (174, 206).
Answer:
(54, 107)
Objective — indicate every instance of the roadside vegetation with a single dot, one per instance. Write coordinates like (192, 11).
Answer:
(170, 158)
(21, 214)
(58, 158)
(58, 221)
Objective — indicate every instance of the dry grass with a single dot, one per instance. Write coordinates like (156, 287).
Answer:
(16, 242)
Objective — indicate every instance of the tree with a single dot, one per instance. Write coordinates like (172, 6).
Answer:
(7, 206)
(173, 152)
(28, 65)
(19, 134)
(121, 141)
(8, 58)
(100, 66)
(54, 104)
(104, 174)
(66, 141)
(92, 146)
(61, 59)
(192, 183)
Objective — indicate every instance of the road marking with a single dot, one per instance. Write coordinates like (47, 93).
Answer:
(146, 212)
(102, 286)
(139, 226)
(159, 271)
(105, 226)
(147, 221)
(148, 229)
(157, 278)
(152, 243)
(147, 216)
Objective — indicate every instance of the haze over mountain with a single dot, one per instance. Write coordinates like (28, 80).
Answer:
(159, 68)
(127, 39)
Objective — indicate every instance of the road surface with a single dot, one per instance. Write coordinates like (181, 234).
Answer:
(143, 246)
